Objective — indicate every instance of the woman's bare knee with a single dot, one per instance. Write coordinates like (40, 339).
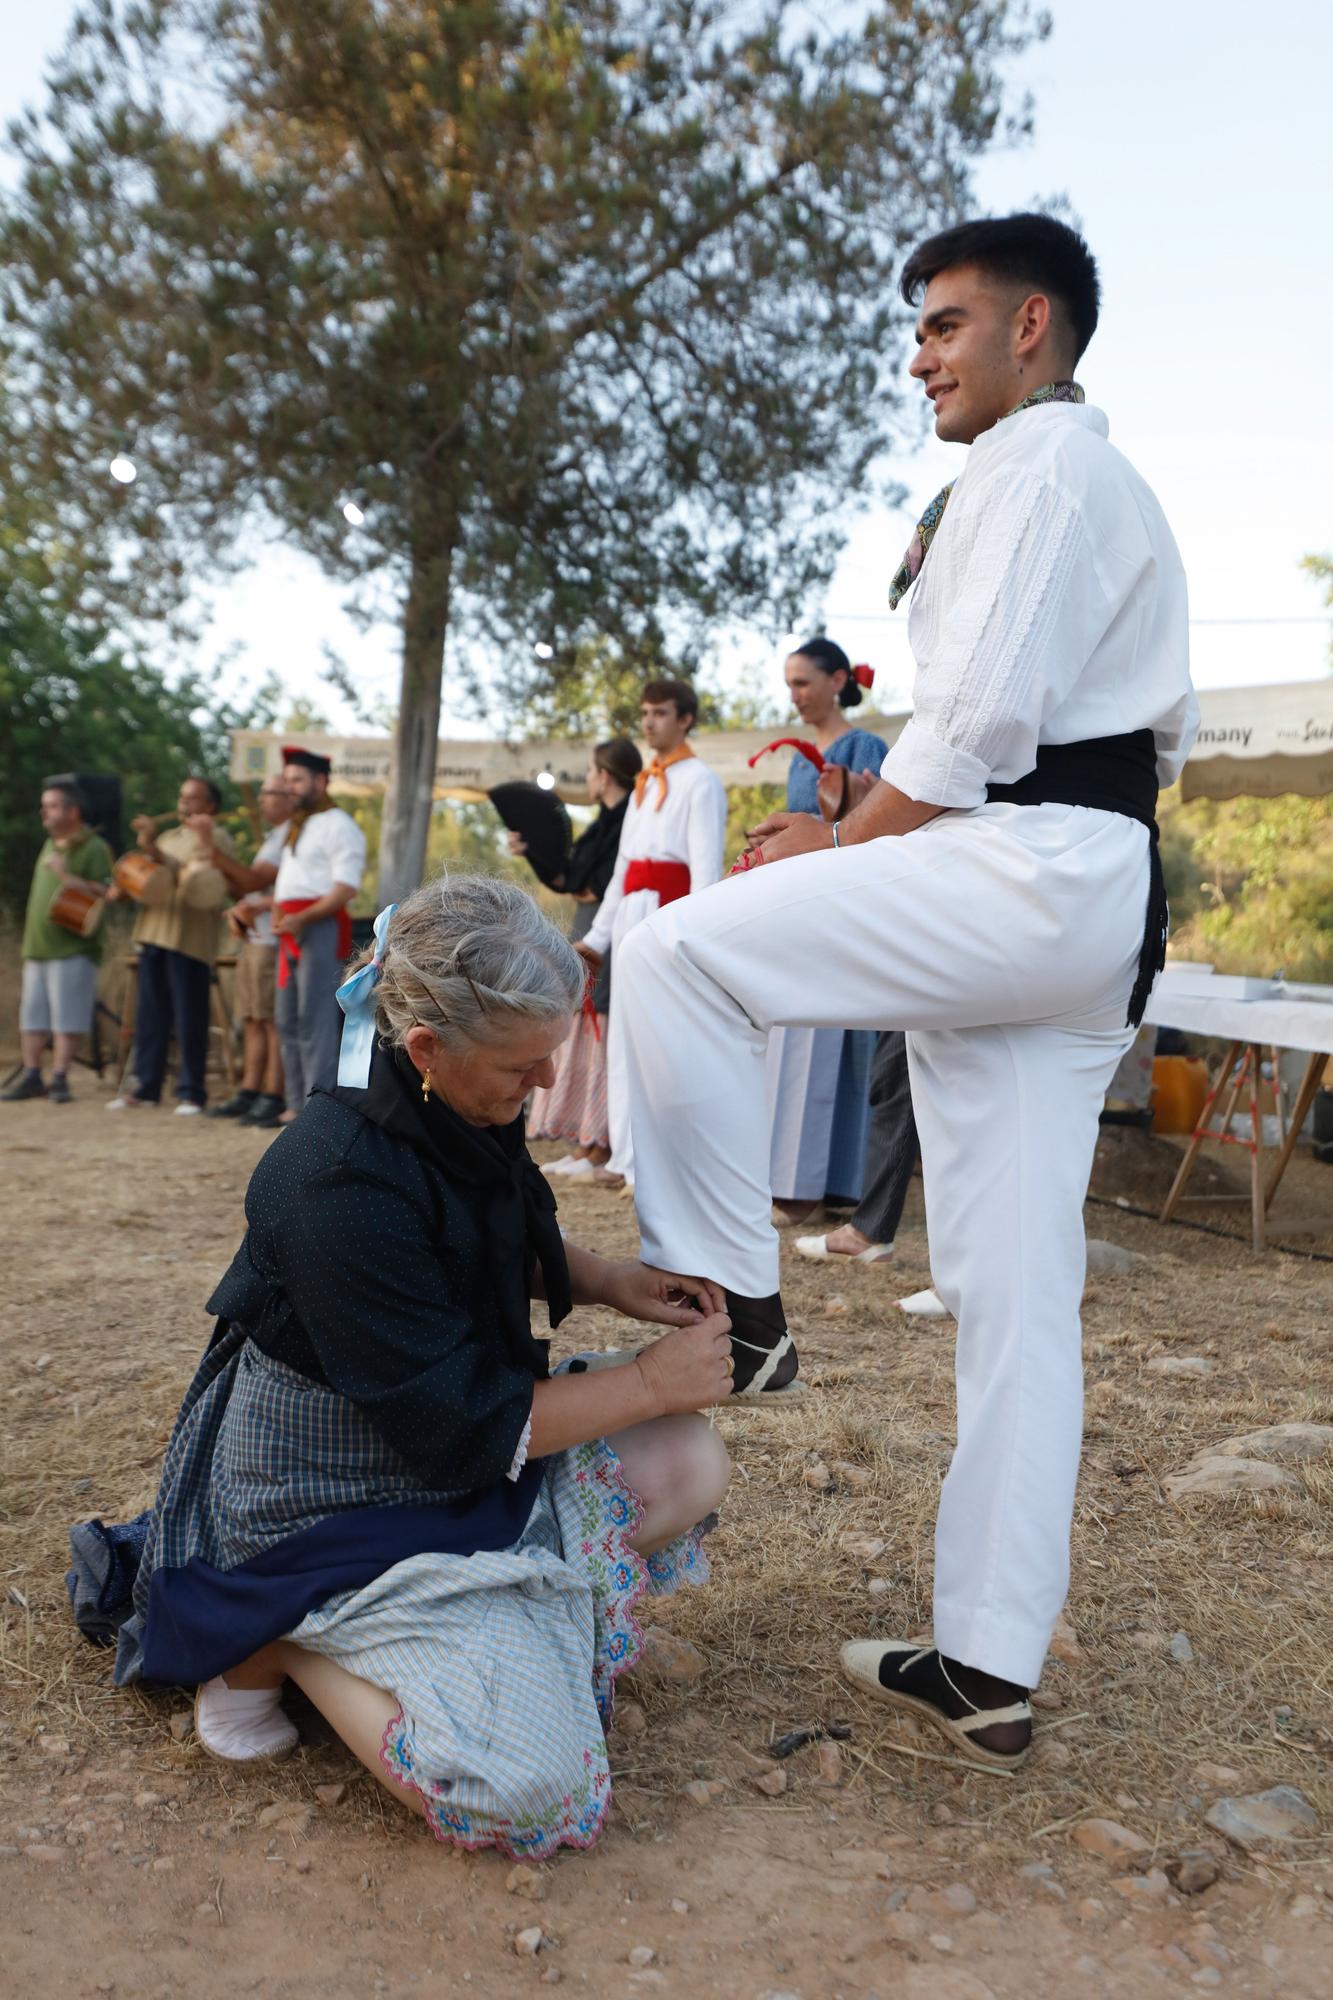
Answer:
(679, 1468)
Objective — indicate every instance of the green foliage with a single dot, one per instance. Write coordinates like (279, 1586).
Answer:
(72, 702)
(588, 307)
(1251, 883)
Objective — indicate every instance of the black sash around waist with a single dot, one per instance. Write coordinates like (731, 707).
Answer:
(1111, 774)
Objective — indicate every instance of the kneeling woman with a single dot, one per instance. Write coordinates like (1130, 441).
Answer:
(375, 1487)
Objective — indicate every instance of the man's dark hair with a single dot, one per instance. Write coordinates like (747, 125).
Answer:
(1033, 250)
(680, 693)
(69, 791)
(214, 791)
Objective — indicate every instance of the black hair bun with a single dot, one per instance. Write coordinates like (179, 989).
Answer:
(831, 659)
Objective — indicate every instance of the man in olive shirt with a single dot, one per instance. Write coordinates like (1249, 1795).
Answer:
(59, 966)
(178, 940)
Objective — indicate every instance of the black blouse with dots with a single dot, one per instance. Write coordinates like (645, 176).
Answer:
(390, 1253)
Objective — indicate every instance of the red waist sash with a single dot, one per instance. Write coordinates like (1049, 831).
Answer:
(671, 879)
(289, 948)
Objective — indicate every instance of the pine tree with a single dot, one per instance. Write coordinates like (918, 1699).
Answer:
(584, 309)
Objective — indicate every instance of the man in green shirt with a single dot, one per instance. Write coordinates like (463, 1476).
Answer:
(59, 965)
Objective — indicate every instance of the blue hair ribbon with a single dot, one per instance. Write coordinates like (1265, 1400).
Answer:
(356, 997)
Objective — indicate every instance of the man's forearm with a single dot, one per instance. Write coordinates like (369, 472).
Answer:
(237, 875)
(885, 810)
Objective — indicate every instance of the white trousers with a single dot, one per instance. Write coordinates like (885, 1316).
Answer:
(1005, 941)
(633, 911)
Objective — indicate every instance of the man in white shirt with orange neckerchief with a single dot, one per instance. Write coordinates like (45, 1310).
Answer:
(671, 845)
(323, 859)
(997, 895)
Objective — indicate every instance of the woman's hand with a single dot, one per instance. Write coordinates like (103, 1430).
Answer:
(517, 844)
(641, 1291)
(690, 1369)
(592, 959)
(784, 834)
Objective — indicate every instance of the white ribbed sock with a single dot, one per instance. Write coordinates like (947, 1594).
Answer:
(243, 1725)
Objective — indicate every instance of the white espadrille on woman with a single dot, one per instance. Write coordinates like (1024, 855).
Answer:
(243, 1725)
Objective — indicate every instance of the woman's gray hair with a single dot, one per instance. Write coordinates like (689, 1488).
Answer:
(471, 958)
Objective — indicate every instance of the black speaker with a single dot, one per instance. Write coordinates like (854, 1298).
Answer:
(102, 804)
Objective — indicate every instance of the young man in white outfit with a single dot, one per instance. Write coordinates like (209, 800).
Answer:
(998, 896)
(323, 859)
(670, 846)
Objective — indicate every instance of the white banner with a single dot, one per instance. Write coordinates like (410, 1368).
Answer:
(1253, 742)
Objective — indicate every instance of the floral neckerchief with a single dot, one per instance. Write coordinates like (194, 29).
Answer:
(909, 569)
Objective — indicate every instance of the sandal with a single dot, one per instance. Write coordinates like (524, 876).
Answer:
(762, 1349)
(914, 1677)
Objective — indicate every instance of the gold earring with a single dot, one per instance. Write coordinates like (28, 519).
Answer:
(425, 1086)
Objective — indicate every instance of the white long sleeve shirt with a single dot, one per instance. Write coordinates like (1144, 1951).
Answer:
(330, 848)
(690, 827)
(1051, 607)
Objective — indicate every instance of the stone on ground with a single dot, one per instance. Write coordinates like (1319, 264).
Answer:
(1209, 1477)
(1264, 1819)
(1064, 1643)
(1288, 1444)
(1109, 1260)
(1195, 1871)
(1108, 1838)
(1180, 1364)
(667, 1658)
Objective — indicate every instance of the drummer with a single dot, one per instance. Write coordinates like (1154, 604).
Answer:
(178, 940)
(59, 965)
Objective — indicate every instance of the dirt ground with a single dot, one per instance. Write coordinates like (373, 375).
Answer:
(131, 1864)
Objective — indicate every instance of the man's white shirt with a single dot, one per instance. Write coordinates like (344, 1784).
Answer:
(1028, 623)
(691, 826)
(261, 930)
(331, 848)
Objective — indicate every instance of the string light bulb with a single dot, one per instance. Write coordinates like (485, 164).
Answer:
(543, 651)
(545, 781)
(123, 470)
(353, 515)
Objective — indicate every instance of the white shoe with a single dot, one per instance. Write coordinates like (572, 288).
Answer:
(560, 1166)
(580, 1170)
(817, 1247)
(924, 1305)
(127, 1102)
(243, 1725)
(187, 1110)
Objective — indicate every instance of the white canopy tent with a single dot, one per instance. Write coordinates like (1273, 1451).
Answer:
(1261, 741)
(1253, 742)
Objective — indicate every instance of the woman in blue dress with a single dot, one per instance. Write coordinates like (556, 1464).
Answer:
(819, 1078)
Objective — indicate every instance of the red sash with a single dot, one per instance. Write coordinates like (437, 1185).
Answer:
(671, 879)
(289, 948)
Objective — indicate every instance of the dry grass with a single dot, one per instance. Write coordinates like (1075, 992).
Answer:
(113, 1257)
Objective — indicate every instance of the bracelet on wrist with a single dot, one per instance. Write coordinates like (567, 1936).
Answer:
(836, 841)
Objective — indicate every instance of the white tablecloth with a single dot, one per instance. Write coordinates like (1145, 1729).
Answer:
(1282, 1022)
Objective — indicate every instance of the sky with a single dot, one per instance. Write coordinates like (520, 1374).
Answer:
(1193, 139)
